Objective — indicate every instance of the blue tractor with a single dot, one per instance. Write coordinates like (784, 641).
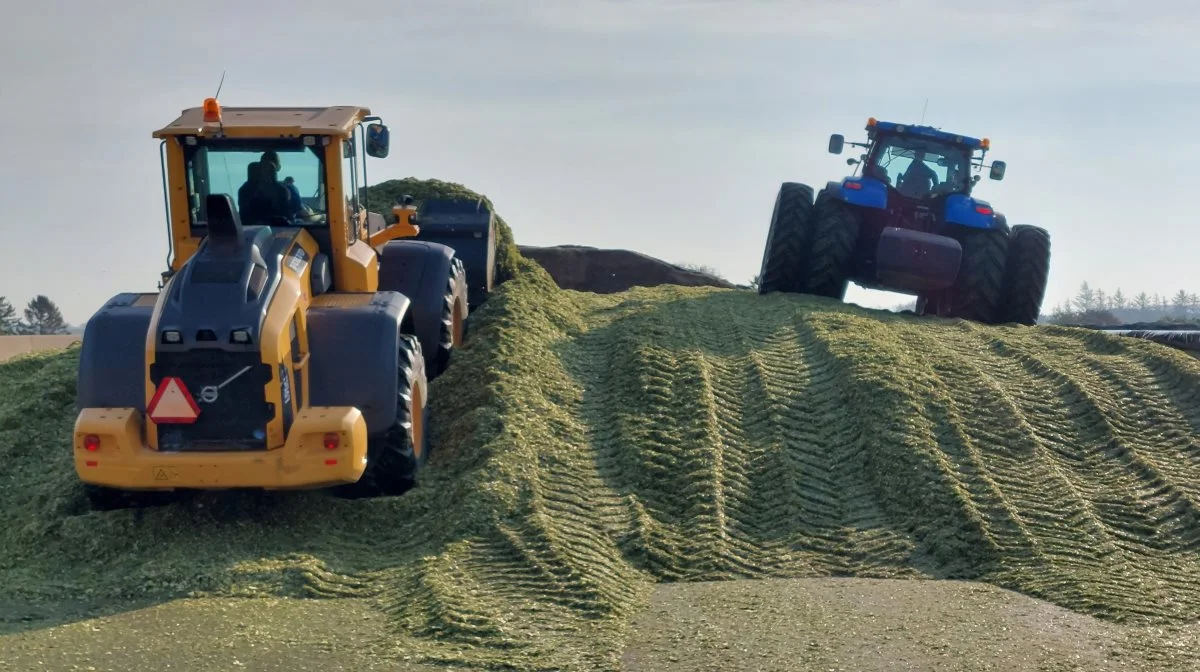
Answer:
(909, 224)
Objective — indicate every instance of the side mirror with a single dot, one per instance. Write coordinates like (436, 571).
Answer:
(377, 141)
(836, 141)
(997, 172)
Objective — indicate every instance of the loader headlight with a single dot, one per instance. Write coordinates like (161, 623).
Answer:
(171, 336)
(240, 336)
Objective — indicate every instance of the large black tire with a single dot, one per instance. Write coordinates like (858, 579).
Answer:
(826, 269)
(977, 291)
(395, 456)
(1026, 275)
(454, 318)
(787, 239)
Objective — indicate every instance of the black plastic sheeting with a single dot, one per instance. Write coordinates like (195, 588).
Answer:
(1181, 336)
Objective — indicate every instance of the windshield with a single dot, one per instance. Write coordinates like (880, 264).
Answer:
(919, 167)
(273, 182)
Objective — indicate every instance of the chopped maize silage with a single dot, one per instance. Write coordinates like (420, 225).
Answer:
(588, 445)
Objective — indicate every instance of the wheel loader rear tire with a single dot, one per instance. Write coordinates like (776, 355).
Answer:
(1025, 276)
(787, 240)
(395, 456)
(834, 233)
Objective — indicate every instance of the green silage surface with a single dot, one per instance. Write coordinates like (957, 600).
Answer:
(587, 446)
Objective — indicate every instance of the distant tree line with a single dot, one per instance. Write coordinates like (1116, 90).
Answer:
(1097, 307)
(41, 316)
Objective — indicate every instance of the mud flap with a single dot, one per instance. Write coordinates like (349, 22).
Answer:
(916, 261)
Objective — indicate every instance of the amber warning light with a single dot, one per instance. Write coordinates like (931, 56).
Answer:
(212, 111)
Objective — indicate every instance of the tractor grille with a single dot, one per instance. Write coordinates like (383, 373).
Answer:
(237, 418)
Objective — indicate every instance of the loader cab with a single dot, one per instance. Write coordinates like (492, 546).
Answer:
(249, 154)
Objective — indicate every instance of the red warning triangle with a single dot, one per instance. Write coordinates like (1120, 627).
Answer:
(172, 404)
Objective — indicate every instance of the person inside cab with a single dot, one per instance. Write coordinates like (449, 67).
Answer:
(263, 198)
(294, 206)
(918, 180)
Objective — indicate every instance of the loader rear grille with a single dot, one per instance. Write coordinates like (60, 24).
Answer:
(233, 414)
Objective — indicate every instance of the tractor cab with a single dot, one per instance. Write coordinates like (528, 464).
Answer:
(919, 162)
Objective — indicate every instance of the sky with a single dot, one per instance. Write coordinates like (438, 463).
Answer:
(663, 126)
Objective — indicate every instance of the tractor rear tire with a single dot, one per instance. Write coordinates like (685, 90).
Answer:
(787, 239)
(1026, 275)
(395, 456)
(834, 234)
(454, 317)
(977, 291)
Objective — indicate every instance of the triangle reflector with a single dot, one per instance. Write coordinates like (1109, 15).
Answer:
(172, 404)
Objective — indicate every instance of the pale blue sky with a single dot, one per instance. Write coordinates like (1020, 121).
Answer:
(662, 126)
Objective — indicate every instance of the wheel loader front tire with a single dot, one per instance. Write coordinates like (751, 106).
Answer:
(454, 317)
(1027, 272)
(787, 240)
(395, 456)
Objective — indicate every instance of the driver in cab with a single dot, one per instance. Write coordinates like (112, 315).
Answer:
(919, 180)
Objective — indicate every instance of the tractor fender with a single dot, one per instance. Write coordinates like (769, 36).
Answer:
(112, 358)
(971, 212)
(354, 348)
(867, 192)
(419, 270)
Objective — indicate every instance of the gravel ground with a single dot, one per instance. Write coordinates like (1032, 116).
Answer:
(201, 635)
(869, 625)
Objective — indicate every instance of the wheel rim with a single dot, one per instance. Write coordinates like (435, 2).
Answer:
(418, 420)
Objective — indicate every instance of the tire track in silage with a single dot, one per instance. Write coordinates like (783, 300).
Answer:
(1072, 422)
(905, 471)
(678, 455)
(968, 418)
(811, 494)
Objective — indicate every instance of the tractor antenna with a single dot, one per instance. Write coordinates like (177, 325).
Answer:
(923, 109)
(219, 85)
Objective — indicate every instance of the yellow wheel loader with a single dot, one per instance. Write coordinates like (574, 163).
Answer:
(294, 333)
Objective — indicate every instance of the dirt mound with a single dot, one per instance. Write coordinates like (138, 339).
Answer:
(589, 269)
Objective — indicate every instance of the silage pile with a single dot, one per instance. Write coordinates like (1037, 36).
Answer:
(588, 445)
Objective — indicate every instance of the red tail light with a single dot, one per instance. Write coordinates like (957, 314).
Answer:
(983, 210)
(331, 441)
(853, 185)
(91, 443)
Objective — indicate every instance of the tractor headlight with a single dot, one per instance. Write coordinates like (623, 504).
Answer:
(171, 336)
(240, 336)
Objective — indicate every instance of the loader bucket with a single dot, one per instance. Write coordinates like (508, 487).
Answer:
(469, 227)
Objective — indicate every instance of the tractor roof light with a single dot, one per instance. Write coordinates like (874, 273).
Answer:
(871, 121)
(212, 111)
(985, 143)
